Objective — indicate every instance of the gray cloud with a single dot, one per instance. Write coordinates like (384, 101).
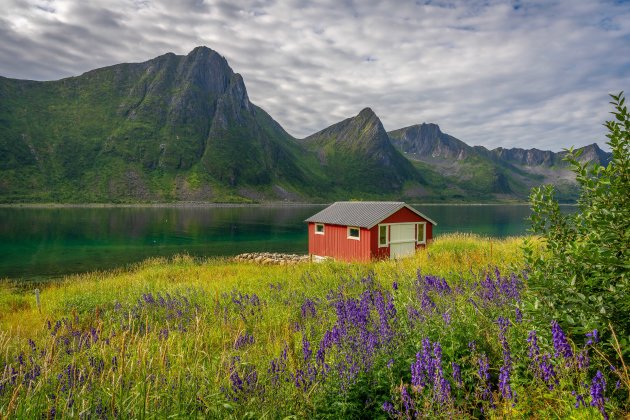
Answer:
(493, 73)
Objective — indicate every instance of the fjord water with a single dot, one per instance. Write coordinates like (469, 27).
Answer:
(45, 243)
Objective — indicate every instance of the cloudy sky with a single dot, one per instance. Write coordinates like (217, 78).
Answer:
(493, 73)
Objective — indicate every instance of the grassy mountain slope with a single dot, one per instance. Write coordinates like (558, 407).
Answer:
(175, 127)
(476, 172)
(179, 128)
(359, 156)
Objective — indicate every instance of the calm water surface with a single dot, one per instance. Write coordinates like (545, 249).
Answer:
(44, 243)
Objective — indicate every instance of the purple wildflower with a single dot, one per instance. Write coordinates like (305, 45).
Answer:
(388, 407)
(583, 360)
(308, 309)
(519, 316)
(457, 374)
(306, 348)
(533, 349)
(505, 370)
(395, 287)
(598, 387)
(426, 302)
(237, 382)
(408, 404)
(446, 316)
(547, 372)
(593, 337)
(504, 382)
(243, 339)
(484, 376)
(579, 398)
(560, 343)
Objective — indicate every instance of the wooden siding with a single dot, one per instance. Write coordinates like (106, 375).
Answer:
(335, 243)
(376, 252)
(403, 215)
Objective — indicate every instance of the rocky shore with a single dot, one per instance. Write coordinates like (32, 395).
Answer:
(272, 258)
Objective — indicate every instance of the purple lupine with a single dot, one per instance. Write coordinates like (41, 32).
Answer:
(434, 283)
(163, 334)
(427, 370)
(442, 388)
(395, 287)
(446, 316)
(413, 315)
(484, 376)
(504, 382)
(560, 343)
(518, 315)
(244, 339)
(547, 372)
(579, 398)
(278, 366)
(457, 374)
(533, 350)
(593, 337)
(308, 309)
(388, 407)
(506, 369)
(598, 387)
(306, 348)
(408, 404)
(583, 360)
(237, 382)
(426, 302)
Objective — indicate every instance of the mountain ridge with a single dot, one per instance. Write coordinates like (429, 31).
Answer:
(182, 127)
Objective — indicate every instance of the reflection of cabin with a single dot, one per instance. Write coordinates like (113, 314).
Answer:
(361, 230)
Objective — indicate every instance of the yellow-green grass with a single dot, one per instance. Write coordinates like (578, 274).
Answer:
(155, 365)
(448, 255)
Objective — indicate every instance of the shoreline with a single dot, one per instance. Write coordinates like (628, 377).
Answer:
(190, 204)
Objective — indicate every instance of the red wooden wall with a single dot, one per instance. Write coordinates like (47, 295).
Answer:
(335, 243)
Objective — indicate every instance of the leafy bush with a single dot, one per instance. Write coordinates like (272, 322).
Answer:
(581, 277)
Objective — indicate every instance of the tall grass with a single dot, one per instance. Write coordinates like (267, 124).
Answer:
(215, 338)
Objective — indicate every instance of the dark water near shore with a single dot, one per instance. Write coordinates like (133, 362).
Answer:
(44, 243)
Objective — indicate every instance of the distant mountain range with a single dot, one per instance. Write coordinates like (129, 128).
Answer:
(182, 128)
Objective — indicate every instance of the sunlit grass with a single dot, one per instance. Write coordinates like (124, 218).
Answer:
(170, 337)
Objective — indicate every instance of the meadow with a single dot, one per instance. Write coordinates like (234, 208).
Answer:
(446, 333)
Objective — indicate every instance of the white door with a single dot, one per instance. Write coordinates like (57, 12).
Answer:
(402, 240)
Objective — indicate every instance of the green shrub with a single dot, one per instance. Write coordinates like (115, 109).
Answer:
(582, 277)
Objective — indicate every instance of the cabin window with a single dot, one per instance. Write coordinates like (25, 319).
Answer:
(354, 233)
(422, 231)
(382, 235)
(319, 229)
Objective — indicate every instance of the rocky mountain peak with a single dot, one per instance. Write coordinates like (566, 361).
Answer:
(367, 114)
(428, 141)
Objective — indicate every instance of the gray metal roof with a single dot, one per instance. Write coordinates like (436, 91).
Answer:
(366, 214)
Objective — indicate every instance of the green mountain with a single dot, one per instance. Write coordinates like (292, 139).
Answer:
(182, 128)
(172, 128)
(497, 174)
(358, 154)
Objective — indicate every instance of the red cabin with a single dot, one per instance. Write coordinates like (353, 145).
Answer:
(364, 230)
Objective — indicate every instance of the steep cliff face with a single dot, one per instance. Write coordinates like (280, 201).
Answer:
(358, 153)
(427, 140)
(131, 123)
(182, 127)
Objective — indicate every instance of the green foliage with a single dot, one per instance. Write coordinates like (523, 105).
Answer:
(582, 277)
(165, 339)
